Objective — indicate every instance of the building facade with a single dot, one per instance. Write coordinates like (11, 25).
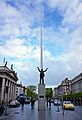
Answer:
(55, 92)
(65, 87)
(77, 84)
(8, 81)
(20, 89)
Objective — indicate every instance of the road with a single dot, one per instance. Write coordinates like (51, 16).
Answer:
(28, 113)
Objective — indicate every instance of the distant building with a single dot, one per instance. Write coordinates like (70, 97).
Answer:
(65, 87)
(20, 89)
(8, 81)
(77, 83)
(55, 92)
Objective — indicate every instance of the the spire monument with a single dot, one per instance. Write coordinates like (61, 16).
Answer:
(41, 85)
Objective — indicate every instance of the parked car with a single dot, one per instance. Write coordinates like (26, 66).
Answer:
(27, 100)
(68, 105)
(14, 103)
(56, 102)
(1, 109)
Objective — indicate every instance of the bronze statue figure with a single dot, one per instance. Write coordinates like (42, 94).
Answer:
(42, 75)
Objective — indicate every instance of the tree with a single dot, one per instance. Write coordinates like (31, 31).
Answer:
(49, 92)
(31, 91)
(73, 95)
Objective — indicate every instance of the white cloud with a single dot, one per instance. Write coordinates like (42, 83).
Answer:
(71, 10)
(13, 48)
(17, 48)
(61, 4)
(74, 14)
(13, 22)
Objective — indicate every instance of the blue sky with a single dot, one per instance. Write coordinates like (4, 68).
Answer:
(20, 22)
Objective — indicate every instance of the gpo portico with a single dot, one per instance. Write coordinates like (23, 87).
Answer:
(8, 82)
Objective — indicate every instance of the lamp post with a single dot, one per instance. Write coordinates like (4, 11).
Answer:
(62, 101)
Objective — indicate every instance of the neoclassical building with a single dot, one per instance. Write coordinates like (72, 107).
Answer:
(8, 82)
(65, 87)
(77, 83)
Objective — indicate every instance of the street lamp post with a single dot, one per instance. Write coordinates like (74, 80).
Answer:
(62, 101)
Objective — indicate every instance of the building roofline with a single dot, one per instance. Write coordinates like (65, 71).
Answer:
(7, 70)
(77, 76)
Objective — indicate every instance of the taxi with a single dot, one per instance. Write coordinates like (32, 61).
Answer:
(67, 105)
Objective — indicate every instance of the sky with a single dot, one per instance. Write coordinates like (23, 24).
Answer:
(20, 25)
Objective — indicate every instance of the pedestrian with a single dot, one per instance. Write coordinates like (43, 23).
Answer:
(22, 102)
(32, 102)
(49, 101)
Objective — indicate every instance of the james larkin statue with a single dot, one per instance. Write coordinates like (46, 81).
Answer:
(42, 75)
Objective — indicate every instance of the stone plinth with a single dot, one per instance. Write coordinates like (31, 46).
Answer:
(41, 96)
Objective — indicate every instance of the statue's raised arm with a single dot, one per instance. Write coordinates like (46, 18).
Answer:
(45, 70)
(38, 69)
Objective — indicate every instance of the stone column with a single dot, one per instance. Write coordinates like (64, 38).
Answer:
(15, 90)
(6, 92)
(12, 90)
(3, 90)
(9, 92)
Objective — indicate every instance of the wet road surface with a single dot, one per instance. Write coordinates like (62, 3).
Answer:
(29, 113)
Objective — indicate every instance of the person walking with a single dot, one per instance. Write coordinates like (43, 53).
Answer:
(50, 102)
(22, 102)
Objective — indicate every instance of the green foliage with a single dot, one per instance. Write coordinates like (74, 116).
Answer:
(73, 95)
(66, 96)
(79, 94)
(32, 88)
(28, 92)
(31, 91)
(48, 92)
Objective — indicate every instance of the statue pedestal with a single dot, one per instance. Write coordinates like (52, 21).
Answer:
(41, 96)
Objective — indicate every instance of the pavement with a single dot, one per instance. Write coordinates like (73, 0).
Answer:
(51, 113)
